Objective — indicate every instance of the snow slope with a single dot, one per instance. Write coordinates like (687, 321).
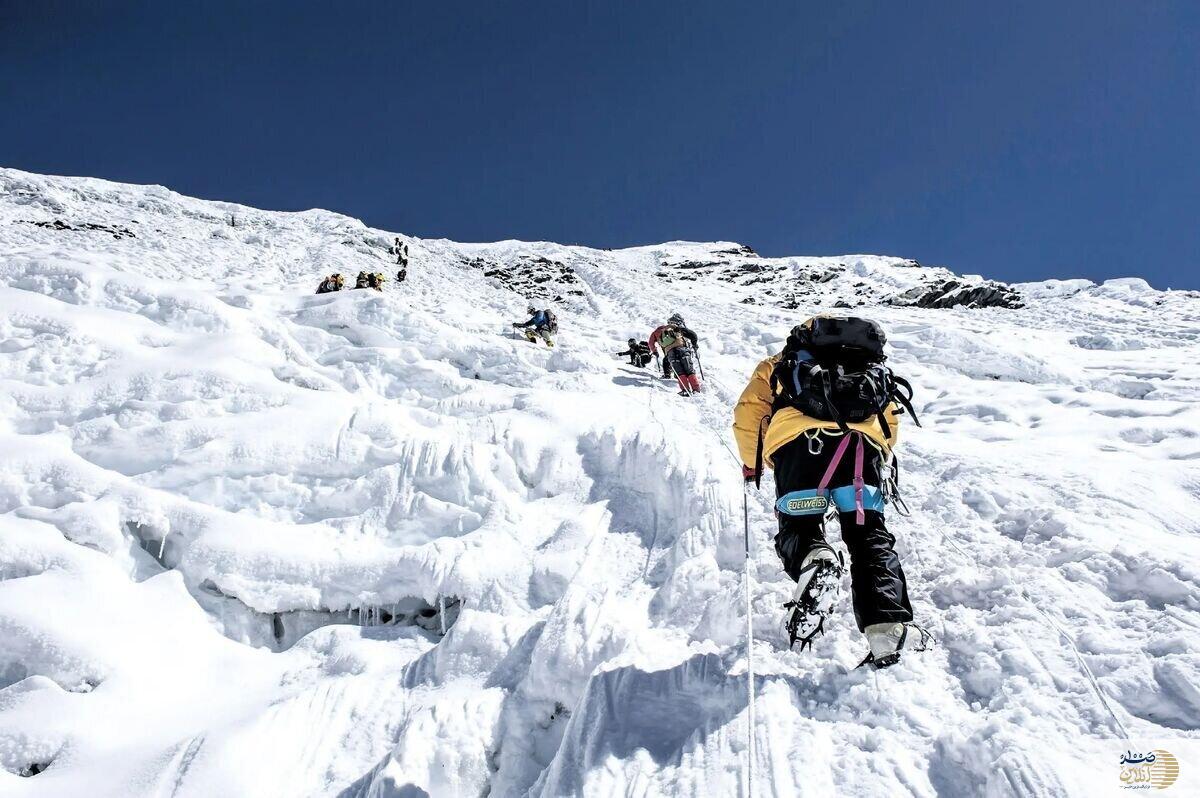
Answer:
(257, 542)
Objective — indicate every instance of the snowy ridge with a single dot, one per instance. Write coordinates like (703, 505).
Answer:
(259, 542)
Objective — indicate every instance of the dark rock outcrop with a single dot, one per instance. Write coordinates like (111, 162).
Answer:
(531, 275)
(954, 293)
(115, 231)
(741, 250)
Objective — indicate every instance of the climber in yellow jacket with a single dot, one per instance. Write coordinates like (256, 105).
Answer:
(824, 415)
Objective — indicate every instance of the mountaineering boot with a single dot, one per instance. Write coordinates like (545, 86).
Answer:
(816, 593)
(887, 640)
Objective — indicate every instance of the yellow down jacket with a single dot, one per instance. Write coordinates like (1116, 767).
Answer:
(754, 408)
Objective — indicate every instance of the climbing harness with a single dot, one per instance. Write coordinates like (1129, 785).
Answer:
(857, 496)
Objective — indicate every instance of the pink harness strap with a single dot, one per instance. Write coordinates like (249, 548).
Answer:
(833, 464)
(860, 516)
(859, 512)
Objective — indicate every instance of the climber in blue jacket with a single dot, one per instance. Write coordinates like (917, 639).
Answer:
(542, 324)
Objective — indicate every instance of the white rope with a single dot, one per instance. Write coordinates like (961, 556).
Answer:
(1082, 664)
(750, 748)
(751, 725)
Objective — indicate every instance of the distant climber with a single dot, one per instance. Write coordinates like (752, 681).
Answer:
(680, 348)
(824, 414)
(638, 353)
(400, 250)
(333, 282)
(542, 324)
(370, 280)
(402, 275)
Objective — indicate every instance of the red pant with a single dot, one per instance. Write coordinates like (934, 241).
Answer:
(683, 364)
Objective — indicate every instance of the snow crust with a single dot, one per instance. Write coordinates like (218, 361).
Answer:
(255, 541)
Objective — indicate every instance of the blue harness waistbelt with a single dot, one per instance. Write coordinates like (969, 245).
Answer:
(814, 502)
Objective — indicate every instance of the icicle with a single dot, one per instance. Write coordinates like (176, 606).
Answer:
(163, 546)
(442, 613)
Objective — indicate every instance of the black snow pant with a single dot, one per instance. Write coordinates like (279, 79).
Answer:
(879, 590)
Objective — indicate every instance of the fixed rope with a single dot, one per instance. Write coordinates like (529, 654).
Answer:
(750, 749)
(747, 580)
(1087, 671)
(1083, 666)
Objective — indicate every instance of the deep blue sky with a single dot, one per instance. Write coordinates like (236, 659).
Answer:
(1020, 140)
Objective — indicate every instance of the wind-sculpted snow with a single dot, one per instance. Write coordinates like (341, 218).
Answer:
(255, 541)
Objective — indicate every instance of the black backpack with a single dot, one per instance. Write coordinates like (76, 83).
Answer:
(833, 370)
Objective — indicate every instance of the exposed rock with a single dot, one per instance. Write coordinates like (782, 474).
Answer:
(693, 264)
(818, 275)
(115, 231)
(532, 276)
(764, 278)
(741, 250)
(954, 293)
(32, 769)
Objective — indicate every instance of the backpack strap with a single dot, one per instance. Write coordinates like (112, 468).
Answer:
(879, 392)
(829, 405)
(898, 394)
(884, 425)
